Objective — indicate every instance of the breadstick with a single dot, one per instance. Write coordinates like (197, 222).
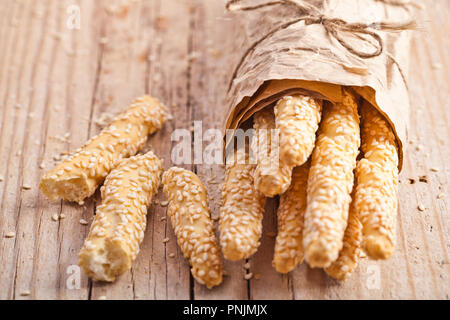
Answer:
(288, 244)
(241, 216)
(271, 176)
(297, 117)
(118, 228)
(348, 258)
(330, 182)
(190, 218)
(377, 185)
(78, 176)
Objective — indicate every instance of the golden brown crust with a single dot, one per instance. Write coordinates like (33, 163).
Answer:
(77, 177)
(288, 244)
(348, 258)
(297, 118)
(190, 218)
(271, 176)
(377, 185)
(241, 216)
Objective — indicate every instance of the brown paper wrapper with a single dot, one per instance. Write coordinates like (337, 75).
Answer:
(305, 59)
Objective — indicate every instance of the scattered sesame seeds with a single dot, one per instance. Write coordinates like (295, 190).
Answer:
(10, 235)
(102, 152)
(423, 178)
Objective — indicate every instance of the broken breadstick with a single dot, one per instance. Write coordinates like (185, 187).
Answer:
(119, 224)
(297, 118)
(330, 182)
(77, 177)
(348, 258)
(271, 176)
(377, 184)
(288, 243)
(190, 218)
(240, 222)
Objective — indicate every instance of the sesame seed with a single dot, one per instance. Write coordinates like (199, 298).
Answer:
(421, 207)
(440, 195)
(55, 217)
(164, 203)
(83, 222)
(25, 293)
(434, 169)
(165, 240)
(10, 235)
(102, 298)
(171, 255)
(26, 187)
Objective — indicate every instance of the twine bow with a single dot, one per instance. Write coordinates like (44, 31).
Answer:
(335, 27)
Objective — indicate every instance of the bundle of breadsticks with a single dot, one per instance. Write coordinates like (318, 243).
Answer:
(329, 78)
(332, 202)
(129, 183)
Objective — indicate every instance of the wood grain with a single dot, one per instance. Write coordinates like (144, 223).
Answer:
(56, 82)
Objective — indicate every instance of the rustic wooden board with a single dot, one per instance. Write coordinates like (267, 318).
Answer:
(55, 82)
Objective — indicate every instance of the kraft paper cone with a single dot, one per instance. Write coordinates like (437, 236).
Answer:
(305, 58)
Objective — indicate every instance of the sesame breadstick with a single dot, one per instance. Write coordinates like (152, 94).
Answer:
(118, 228)
(78, 176)
(377, 185)
(288, 243)
(190, 218)
(330, 182)
(297, 117)
(241, 216)
(348, 258)
(272, 177)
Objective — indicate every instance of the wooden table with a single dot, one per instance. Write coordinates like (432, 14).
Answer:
(56, 80)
